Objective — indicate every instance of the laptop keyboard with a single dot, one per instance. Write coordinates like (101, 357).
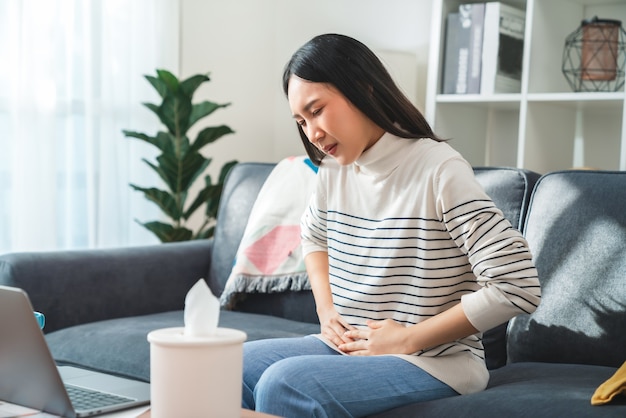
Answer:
(85, 399)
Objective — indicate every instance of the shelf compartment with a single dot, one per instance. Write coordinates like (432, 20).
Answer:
(569, 134)
(484, 133)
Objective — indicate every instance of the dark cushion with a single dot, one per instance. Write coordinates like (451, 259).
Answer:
(120, 346)
(576, 228)
(526, 390)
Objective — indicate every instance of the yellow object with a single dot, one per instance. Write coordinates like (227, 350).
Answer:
(612, 387)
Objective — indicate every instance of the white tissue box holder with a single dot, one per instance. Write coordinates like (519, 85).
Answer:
(196, 376)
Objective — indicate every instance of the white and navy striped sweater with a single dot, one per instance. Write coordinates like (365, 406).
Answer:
(410, 233)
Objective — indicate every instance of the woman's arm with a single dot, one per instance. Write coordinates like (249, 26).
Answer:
(333, 326)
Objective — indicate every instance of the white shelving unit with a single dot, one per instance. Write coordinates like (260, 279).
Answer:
(546, 126)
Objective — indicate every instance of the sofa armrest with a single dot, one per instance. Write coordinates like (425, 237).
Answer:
(75, 287)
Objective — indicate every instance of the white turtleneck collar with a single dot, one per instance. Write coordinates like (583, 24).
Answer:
(384, 156)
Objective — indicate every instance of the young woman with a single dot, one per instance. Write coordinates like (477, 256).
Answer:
(408, 258)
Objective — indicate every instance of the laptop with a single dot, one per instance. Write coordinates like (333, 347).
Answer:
(30, 377)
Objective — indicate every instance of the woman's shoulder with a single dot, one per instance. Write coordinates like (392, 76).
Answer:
(427, 152)
(429, 145)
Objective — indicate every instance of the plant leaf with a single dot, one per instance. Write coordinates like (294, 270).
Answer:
(174, 112)
(207, 233)
(166, 232)
(167, 140)
(163, 199)
(190, 85)
(215, 195)
(155, 109)
(180, 174)
(200, 110)
(169, 79)
(210, 194)
(213, 200)
(161, 141)
(158, 84)
(168, 176)
(184, 147)
(209, 135)
(192, 166)
(226, 169)
(200, 199)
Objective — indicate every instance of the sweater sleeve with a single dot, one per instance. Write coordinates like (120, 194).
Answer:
(498, 253)
(313, 221)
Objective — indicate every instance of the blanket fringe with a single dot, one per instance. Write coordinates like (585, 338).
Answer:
(244, 283)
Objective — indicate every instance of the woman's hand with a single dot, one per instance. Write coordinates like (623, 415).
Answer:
(334, 327)
(381, 337)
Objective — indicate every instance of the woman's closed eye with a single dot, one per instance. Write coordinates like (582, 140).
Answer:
(313, 113)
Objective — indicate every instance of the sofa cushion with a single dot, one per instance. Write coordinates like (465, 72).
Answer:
(120, 346)
(576, 228)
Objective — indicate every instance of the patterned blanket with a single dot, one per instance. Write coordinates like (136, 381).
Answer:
(269, 258)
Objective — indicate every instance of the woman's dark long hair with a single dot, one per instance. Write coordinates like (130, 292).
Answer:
(359, 75)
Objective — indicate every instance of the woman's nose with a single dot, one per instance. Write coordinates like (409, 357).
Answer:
(315, 134)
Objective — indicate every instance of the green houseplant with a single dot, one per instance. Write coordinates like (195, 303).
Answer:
(181, 162)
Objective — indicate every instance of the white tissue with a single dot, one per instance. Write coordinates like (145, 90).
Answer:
(202, 311)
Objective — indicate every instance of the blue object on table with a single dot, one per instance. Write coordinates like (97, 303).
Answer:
(41, 319)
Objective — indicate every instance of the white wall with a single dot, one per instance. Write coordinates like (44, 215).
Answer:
(244, 44)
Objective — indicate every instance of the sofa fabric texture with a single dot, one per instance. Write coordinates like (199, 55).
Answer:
(101, 304)
(577, 227)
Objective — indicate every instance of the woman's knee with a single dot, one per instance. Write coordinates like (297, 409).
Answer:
(283, 384)
(284, 375)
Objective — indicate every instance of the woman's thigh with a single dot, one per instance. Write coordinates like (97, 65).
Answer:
(259, 355)
(344, 385)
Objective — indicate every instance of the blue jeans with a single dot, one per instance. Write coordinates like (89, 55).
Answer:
(303, 377)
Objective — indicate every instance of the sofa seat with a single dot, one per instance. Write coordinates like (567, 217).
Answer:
(119, 346)
(527, 390)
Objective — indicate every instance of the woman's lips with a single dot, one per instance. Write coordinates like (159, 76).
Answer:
(330, 149)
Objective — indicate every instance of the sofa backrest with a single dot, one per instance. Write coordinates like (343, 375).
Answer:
(243, 183)
(576, 228)
(510, 189)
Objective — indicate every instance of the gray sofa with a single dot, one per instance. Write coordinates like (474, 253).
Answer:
(100, 304)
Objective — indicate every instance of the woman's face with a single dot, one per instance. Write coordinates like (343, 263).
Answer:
(330, 121)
